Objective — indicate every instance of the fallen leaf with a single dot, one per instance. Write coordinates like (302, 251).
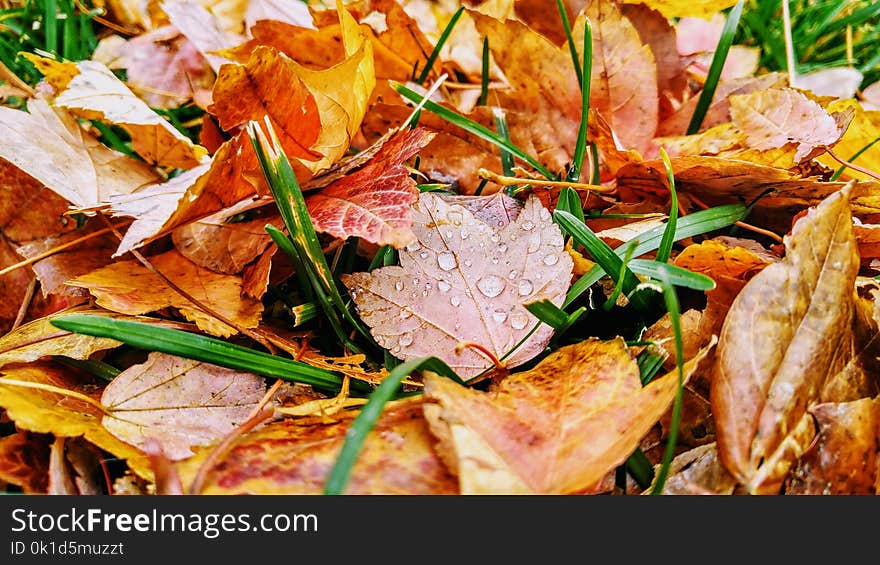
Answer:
(775, 117)
(685, 8)
(276, 10)
(839, 82)
(864, 129)
(870, 98)
(90, 90)
(202, 28)
(698, 471)
(39, 338)
(843, 457)
(466, 280)
(178, 402)
(555, 429)
(786, 333)
(61, 414)
(288, 458)
(75, 165)
(128, 287)
(374, 202)
(24, 461)
(619, 60)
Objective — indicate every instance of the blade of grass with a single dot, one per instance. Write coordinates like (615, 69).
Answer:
(504, 133)
(102, 370)
(473, 127)
(640, 469)
(571, 46)
(672, 306)
(665, 248)
(549, 313)
(580, 146)
(855, 156)
(432, 58)
(50, 25)
(484, 74)
(678, 276)
(202, 348)
(715, 68)
(337, 480)
(570, 201)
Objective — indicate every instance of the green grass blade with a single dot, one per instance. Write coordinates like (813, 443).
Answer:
(570, 201)
(714, 74)
(549, 313)
(639, 467)
(201, 348)
(672, 307)
(594, 153)
(618, 288)
(306, 287)
(50, 25)
(432, 58)
(580, 146)
(506, 156)
(691, 225)
(484, 76)
(604, 256)
(571, 46)
(678, 276)
(337, 480)
(103, 371)
(473, 127)
(855, 156)
(665, 249)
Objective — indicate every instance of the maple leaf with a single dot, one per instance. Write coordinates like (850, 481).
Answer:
(290, 458)
(130, 288)
(90, 90)
(792, 324)
(557, 428)
(467, 279)
(62, 412)
(374, 202)
(179, 402)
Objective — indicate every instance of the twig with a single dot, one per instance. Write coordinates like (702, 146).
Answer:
(852, 166)
(25, 303)
(54, 250)
(509, 181)
(743, 225)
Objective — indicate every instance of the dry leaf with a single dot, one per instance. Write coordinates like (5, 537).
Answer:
(288, 458)
(178, 402)
(74, 164)
(466, 279)
(60, 414)
(786, 334)
(699, 471)
(24, 461)
(90, 90)
(557, 428)
(128, 287)
(374, 202)
(775, 117)
(843, 458)
(864, 129)
(685, 8)
(202, 28)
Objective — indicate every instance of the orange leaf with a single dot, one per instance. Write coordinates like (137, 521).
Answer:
(557, 428)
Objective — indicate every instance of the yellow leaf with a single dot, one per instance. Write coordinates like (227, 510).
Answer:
(864, 128)
(685, 8)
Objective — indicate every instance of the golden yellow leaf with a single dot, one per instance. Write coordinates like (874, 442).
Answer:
(289, 458)
(556, 428)
(864, 128)
(788, 331)
(60, 414)
(130, 288)
(90, 90)
(685, 8)
(24, 461)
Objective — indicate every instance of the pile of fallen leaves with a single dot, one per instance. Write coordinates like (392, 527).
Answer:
(440, 244)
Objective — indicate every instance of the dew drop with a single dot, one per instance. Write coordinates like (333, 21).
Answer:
(457, 327)
(468, 262)
(455, 301)
(545, 215)
(551, 259)
(513, 274)
(502, 248)
(491, 285)
(398, 285)
(405, 313)
(446, 261)
(499, 316)
(405, 340)
(500, 223)
(444, 286)
(534, 244)
(424, 293)
(395, 349)
(525, 287)
(464, 234)
(495, 238)
(455, 218)
(448, 235)
(513, 237)
(413, 247)
(518, 320)
(424, 254)
(528, 225)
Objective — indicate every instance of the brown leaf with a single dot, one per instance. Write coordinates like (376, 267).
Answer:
(786, 333)
(843, 457)
(24, 461)
(130, 288)
(374, 202)
(775, 117)
(63, 415)
(466, 280)
(557, 428)
(90, 90)
(288, 458)
(699, 471)
(179, 402)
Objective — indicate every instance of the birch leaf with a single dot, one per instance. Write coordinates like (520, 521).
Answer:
(787, 332)
(555, 429)
(466, 279)
(178, 402)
